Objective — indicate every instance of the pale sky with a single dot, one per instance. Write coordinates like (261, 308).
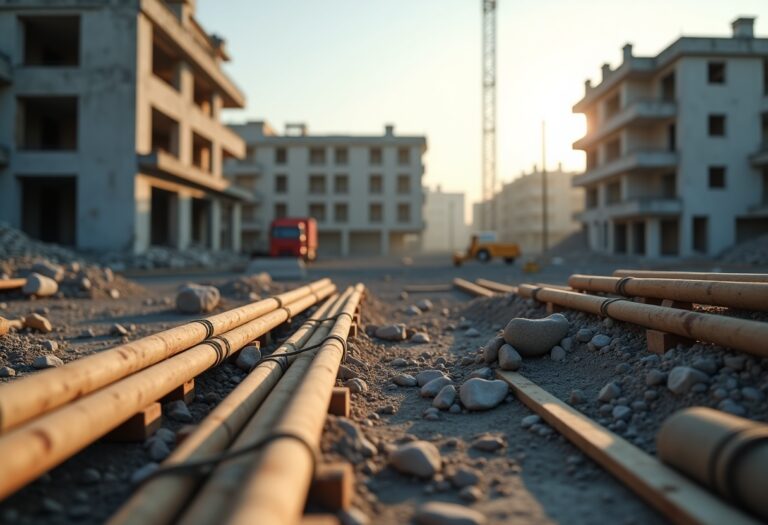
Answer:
(350, 66)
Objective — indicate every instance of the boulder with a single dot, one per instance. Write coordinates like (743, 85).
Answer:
(434, 387)
(491, 349)
(481, 394)
(536, 337)
(682, 378)
(197, 299)
(509, 358)
(417, 458)
(445, 398)
(391, 332)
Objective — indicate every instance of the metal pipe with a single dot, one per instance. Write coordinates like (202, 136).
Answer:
(43, 443)
(160, 500)
(699, 276)
(748, 296)
(275, 491)
(471, 288)
(31, 396)
(730, 332)
(214, 499)
(496, 287)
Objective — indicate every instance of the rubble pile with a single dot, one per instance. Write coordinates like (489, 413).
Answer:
(754, 252)
(248, 287)
(161, 257)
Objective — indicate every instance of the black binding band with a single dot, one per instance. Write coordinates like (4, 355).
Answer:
(621, 285)
(208, 326)
(606, 303)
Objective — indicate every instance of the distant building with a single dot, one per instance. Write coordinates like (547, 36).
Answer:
(445, 229)
(677, 148)
(364, 191)
(518, 209)
(110, 133)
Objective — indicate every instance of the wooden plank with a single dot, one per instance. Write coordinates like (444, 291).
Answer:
(659, 342)
(333, 486)
(675, 496)
(184, 392)
(12, 284)
(340, 401)
(139, 426)
(427, 288)
(496, 286)
(471, 288)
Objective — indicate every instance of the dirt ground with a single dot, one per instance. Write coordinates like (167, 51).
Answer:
(535, 477)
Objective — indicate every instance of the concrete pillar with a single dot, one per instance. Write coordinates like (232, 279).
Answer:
(344, 243)
(236, 227)
(215, 234)
(186, 85)
(184, 221)
(384, 242)
(142, 215)
(652, 238)
(630, 238)
(610, 246)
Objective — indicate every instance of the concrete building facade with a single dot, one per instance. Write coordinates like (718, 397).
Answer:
(445, 227)
(110, 132)
(677, 148)
(364, 191)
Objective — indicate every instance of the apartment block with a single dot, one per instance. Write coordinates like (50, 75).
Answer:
(519, 209)
(445, 228)
(677, 148)
(364, 191)
(110, 132)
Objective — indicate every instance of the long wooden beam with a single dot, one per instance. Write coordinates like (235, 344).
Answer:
(699, 276)
(473, 289)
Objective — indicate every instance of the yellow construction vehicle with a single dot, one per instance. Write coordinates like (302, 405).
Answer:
(484, 247)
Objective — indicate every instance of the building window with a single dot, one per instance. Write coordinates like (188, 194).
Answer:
(668, 87)
(403, 213)
(613, 193)
(374, 156)
(201, 153)
(202, 94)
(404, 156)
(166, 64)
(281, 156)
(281, 183)
(717, 177)
(341, 184)
(612, 106)
(765, 77)
(341, 156)
(591, 198)
(281, 210)
(375, 184)
(246, 181)
(700, 227)
(340, 212)
(317, 184)
(613, 150)
(47, 123)
(669, 185)
(317, 210)
(403, 184)
(375, 212)
(717, 125)
(317, 156)
(716, 72)
(250, 153)
(51, 40)
(592, 159)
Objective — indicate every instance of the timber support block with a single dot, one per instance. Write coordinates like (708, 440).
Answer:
(333, 486)
(264, 339)
(648, 300)
(184, 392)
(660, 342)
(340, 401)
(139, 426)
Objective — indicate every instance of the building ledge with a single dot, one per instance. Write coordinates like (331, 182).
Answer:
(6, 72)
(637, 112)
(760, 159)
(631, 161)
(645, 206)
(165, 164)
(242, 167)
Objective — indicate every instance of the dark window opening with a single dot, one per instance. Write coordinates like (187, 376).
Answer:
(672, 137)
(281, 156)
(592, 159)
(619, 238)
(613, 193)
(51, 40)
(613, 150)
(612, 106)
(165, 133)
(717, 177)
(201, 223)
(340, 212)
(281, 183)
(638, 238)
(374, 156)
(341, 156)
(716, 125)
(49, 208)
(403, 156)
(375, 213)
(201, 153)
(162, 218)
(716, 72)
(669, 185)
(317, 210)
(165, 62)
(403, 213)
(668, 87)
(317, 184)
(341, 184)
(281, 210)
(47, 123)
(203, 96)
(317, 156)
(669, 237)
(591, 198)
(403, 184)
(700, 235)
(375, 184)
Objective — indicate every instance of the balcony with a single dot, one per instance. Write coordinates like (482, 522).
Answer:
(636, 160)
(5, 69)
(638, 207)
(637, 112)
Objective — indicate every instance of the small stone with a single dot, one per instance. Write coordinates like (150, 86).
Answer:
(455, 409)
(52, 506)
(143, 473)
(418, 458)
(472, 332)
(391, 332)
(425, 305)
(49, 270)
(420, 338)
(7, 371)
(682, 378)
(399, 362)
(491, 349)
(509, 358)
(38, 322)
(40, 286)
(404, 380)
(584, 335)
(345, 372)
(608, 322)
(735, 362)
(87, 334)
(197, 299)
(752, 394)
(158, 450)
(557, 354)
(600, 340)
(480, 394)
(431, 414)
(529, 421)
(425, 376)
(178, 411)
(609, 392)
(577, 397)
(471, 494)
(464, 477)
(353, 516)
(47, 361)
(482, 373)
(118, 329)
(85, 284)
(413, 310)
(655, 377)
(114, 293)
(536, 337)
(639, 406)
(621, 412)
(166, 435)
(356, 385)
(488, 443)
(50, 345)
(623, 368)
(445, 398)
(730, 406)
(567, 344)
(705, 364)
(248, 357)
(650, 395)
(434, 387)
(91, 475)
(439, 513)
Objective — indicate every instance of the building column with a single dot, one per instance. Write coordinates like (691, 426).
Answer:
(610, 244)
(215, 240)
(142, 215)
(384, 242)
(630, 237)
(186, 87)
(344, 243)
(184, 221)
(236, 227)
(652, 238)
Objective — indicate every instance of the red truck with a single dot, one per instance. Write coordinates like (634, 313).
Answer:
(293, 237)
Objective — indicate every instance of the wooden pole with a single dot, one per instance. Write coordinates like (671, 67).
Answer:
(471, 288)
(214, 499)
(160, 500)
(698, 276)
(496, 287)
(739, 334)
(12, 284)
(26, 398)
(275, 491)
(43, 443)
(748, 296)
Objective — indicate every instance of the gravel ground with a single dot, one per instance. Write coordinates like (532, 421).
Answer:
(534, 476)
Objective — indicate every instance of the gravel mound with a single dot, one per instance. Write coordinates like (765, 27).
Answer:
(754, 252)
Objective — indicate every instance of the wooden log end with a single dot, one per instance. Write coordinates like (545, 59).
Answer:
(138, 427)
(661, 342)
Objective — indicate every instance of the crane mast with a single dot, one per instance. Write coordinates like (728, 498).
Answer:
(489, 111)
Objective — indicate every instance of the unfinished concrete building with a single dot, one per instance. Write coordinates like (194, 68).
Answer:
(110, 132)
(364, 191)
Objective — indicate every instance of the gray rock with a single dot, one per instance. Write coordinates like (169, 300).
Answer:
(567, 344)
(480, 394)
(682, 378)
(621, 412)
(491, 349)
(752, 394)
(391, 332)
(650, 395)
(431, 414)
(464, 477)
(404, 380)
(655, 377)
(488, 443)
(529, 421)
(47, 361)
(425, 376)
(439, 513)
(705, 364)
(49, 269)
(445, 398)
(399, 362)
(248, 358)
(730, 406)
(610, 391)
(166, 435)
(420, 338)
(577, 397)
(417, 458)
(536, 337)
(118, 329)
(91, 476)
(158, 450)
(557, 354)
(434, 387)
(735, 362)
(471, 494)
(600, 340)
(584, 335)
(482, 373)
(178, 411)
(623, 368)
(356, 385)
(7, 371)
(413, 310)
(197, 299)
(50, 345)
(143, 473)
(472, 332)
(425, 305)
(509, 358)
(455, 409)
